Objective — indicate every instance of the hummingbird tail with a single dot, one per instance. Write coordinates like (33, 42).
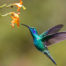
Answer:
(50, 58)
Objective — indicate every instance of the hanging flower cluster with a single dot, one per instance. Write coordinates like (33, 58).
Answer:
(14, 15)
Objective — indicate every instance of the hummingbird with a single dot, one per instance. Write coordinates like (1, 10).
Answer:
(47, 38)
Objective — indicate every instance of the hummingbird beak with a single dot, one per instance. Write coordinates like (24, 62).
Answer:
(25, 25)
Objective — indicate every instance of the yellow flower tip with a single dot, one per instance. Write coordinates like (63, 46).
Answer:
(24, 8)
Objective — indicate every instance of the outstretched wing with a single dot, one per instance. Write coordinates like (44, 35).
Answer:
(54, 38)
(53, 30)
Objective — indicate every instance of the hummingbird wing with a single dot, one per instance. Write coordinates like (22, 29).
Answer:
(54, 38)
(52, 30)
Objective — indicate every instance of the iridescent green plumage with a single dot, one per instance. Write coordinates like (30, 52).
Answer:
(47, 38)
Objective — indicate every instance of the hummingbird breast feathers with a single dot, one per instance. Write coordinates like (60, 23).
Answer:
(39, 44)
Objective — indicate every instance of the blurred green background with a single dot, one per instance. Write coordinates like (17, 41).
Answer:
(16, 45)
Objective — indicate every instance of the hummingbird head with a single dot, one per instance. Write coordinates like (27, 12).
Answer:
(32, 30)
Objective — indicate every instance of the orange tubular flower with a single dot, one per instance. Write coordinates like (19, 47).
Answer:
(19, 5)
(15, 19)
